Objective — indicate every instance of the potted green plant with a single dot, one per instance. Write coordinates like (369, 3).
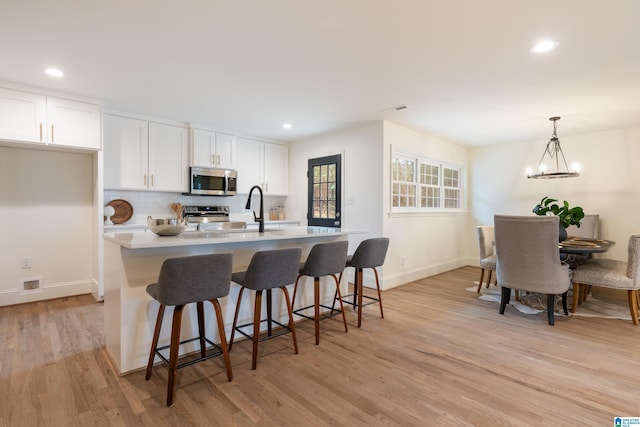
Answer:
(568, 216)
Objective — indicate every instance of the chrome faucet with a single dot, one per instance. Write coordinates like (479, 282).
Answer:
(260, 219)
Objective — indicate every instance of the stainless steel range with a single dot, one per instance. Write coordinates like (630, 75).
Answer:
(212, 218)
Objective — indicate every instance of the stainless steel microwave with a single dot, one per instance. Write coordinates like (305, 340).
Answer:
(213, 182)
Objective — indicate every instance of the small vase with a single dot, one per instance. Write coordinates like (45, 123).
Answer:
(562, 233)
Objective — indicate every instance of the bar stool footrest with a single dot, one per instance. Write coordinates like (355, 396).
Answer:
(216, 352)
(373, 300)
(285, 330)
(323, 316)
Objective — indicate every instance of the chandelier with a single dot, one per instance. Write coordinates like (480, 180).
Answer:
(554, 151)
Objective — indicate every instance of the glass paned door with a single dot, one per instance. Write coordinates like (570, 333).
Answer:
(324, 191)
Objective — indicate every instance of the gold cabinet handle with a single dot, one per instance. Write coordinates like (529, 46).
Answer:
(145, 179)
(40, 131)
(52, 133)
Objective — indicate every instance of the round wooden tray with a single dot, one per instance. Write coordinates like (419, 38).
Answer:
(124, 211)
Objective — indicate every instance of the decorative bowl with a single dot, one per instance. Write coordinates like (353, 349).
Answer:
(167, 226)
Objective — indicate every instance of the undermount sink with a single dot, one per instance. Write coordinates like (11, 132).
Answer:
(222, 226)
(217, 229)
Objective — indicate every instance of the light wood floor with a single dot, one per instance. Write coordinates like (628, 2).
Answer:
(441, 357)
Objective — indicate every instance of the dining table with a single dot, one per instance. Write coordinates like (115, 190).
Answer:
(577, 250)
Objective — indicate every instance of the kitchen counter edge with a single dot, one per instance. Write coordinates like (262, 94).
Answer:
(143, 240)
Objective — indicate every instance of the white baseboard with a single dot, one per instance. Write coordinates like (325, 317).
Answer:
(97, 293)
(49, 291)
(408, 276)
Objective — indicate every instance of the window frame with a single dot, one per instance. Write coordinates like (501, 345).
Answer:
(420, 185)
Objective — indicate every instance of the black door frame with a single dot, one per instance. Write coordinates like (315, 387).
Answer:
(325, 222)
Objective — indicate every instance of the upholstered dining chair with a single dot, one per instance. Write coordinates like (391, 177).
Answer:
(529, 260)
(609, 273)
(487, 254)
(589, 227)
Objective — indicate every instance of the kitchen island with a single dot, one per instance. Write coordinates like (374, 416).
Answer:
(133, 260)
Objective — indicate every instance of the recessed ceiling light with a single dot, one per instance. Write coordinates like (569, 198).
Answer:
(54, 72)
(544, 46)
(287, 126)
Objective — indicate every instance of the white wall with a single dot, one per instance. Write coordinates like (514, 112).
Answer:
(609, 183)
(427, 243)
(46, 207)
(361, 149)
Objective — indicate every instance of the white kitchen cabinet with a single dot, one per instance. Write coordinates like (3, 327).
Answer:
(34, 118)
(264, 164)
(276, 168)
(213, 149)
(73, 124)
(168, 157)
(143, 155)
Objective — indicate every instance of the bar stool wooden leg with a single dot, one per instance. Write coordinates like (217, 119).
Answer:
(256, 329)
(173, 353)
(339, 294)
(235, 317)
(223, 338)
(292, 326)
(359, 287)
(154, 342)
(375, 271)
(316, 307)
(295, 290)
(201, 328)
(269, 313)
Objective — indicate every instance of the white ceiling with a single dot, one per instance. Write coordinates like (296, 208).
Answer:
(463, 67)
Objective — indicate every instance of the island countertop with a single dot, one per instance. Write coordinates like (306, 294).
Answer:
(147, 239)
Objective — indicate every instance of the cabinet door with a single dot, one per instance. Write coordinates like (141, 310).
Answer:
(226, 151)
(250, 161)
(168, 157)
(212, 149)
(276, 169)
(73, 123)
(22, 116)
(125, 153)
(203, 148)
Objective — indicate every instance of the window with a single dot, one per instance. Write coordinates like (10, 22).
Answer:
(435, 186)
(404, 185)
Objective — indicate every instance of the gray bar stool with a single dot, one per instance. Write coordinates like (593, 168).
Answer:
(267, 270)
(183, 281)
(369, 254)
(325, 259)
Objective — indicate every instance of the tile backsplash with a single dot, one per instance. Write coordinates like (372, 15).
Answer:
(158, 204)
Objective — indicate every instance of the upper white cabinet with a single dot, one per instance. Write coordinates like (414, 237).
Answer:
(213, 149)
(73, 123)
(264, 164)
(168, 157)
(143, 155)
(34, 118)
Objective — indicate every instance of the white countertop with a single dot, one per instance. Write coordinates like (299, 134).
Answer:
(138, 226)
(142, 239)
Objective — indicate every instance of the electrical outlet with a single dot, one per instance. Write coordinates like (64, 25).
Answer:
(31, 285)
(25, 262)
(402, 260)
